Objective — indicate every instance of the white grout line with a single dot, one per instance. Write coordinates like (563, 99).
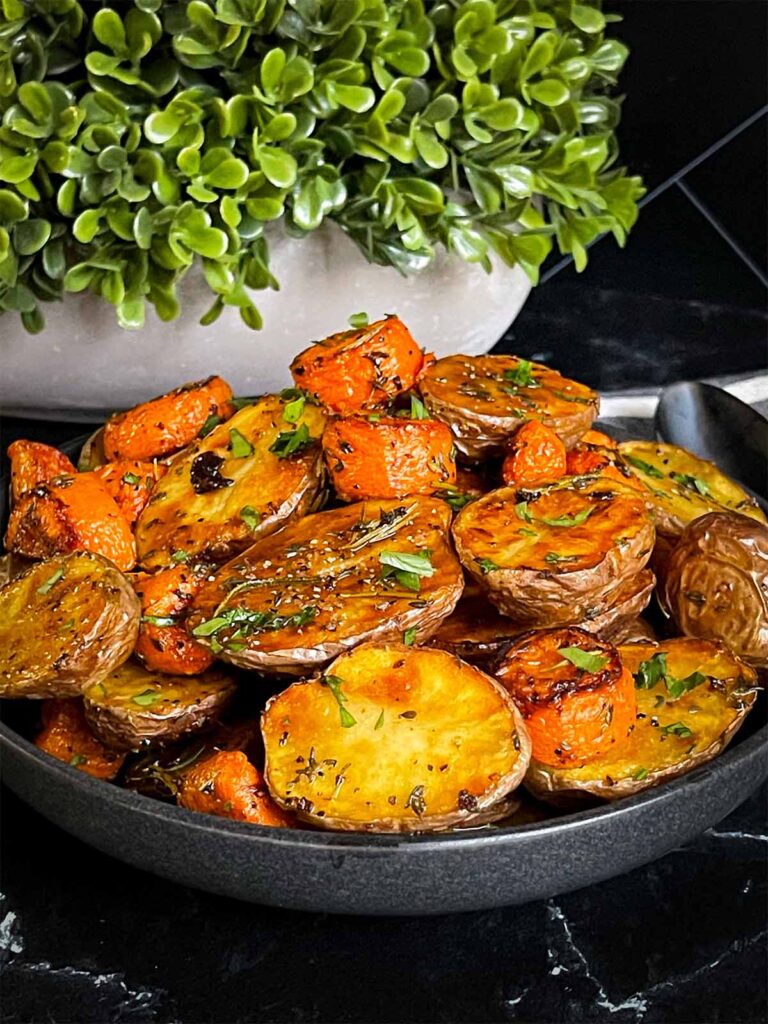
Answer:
(751, 390)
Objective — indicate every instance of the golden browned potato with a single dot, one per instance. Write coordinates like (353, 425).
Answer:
(244, 480)
(557, 555)
(692, 697)
(133, 707)
(394, 739)
(377, 569)
(64, 623)
(716, 583)
(681, 486)
(484, 399)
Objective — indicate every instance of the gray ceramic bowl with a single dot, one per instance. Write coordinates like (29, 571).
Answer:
(388, 875)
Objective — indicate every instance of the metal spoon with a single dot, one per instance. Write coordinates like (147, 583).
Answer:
(718, 426)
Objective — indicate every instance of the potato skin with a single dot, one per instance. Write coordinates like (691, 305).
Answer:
(716, 583)
(428, 742)
(475, 631)
(78, 629)
(180, 516)
(483, 410)
(506, 548)
(629, 600)
(673, 503)
(326, 563)
(169, 706)
(713, 712)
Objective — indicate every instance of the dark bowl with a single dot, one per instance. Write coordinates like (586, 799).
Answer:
(354, 873)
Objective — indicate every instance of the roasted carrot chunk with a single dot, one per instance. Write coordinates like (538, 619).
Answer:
(167, 423)
(130, 483)
(66, 736)
(228, 784)
(575, 695)
(585, 458)
(536, 456)
(388, 458)
(71, 513)
(164, 644)
(598, 437)
(33, 463)
(360, 369)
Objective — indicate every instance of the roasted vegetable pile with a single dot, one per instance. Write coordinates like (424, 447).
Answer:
(384, 599)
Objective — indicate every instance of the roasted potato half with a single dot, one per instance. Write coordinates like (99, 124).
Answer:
(374, 570)
(92, 455)
(65, 623)
(484, 399)
(558, 555)
(682, 487)
(132, 707)
(244, 480)
(716, 583)
(692, 697)
(394, 739)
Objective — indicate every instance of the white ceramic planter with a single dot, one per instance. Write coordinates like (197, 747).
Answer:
(84, 364)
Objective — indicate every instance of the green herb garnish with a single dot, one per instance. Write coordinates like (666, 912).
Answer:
(380, 720)
(131, 478)
(78, 759)
(641, 773)
(588, 661)
(358, 320)
(486, 565)
(246, 623)
(407, 568)
(291, 442)
(575, 520)
(409, 636)
(523, 512)
(644, 467)
(554, 558)
(692, 483)
(677, 729)
(239, 446)
(159, 620)
(51, 582)
(335, 684)
(522, 376)
(654, 670)
(294, 409)
(179, 556)
(419, 411)
(250, 516)
(212, 421)
(147, 698)
(456, 499)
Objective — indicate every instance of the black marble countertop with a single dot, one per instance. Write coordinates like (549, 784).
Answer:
(85, 938)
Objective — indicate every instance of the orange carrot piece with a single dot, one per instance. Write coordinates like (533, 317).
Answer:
(227, 784)
(71, 513)
(586, 458)
(66, 736)
(167, 423)
(573, 714)
(169, 648)
(130, 483)
(34, 463)
(536, 456)
(388, 458)
(598, 437)
(360, 369)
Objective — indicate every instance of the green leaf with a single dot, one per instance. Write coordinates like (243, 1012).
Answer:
(650, 672)
(291, 442)
(692, 483)
(587, 661)
(278, 166)
(335, 684)
(521, 375)
(644, 467)
(566, 521)
(486, 565)
(420, 564)
(588, 19)
(240, 447)
(293, 410)
(51, 582)
(419, 411)
(250, 516)
(677, 729)
(31, 235)
(147, 698)
(550, 91)
(409, 636)
(358, 320)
